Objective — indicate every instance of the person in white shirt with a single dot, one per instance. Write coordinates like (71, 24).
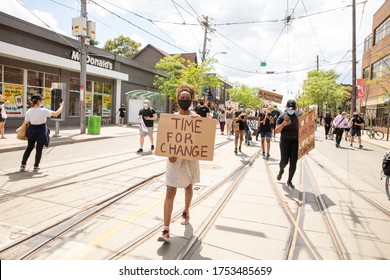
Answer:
(37, 132)
(339, 123)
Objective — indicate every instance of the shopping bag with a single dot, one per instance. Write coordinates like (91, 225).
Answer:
(21, 132)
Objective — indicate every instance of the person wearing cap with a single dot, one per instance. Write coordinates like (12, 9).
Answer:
(37, 131)
(340, 122)
(287, 126)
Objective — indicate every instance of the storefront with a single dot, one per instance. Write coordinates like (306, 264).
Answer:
(32, 58)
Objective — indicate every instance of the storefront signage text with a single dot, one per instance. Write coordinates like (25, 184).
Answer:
(93, 61)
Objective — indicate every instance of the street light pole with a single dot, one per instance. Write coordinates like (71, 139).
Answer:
(83, 71)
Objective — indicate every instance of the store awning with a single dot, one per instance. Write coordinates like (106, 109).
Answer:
(142, 93)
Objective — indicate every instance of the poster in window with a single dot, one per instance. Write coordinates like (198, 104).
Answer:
(106, 105)
(88, 103)
(14, 94)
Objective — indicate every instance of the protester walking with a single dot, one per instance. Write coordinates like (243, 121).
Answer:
(147, 116)
(122, 112)
(266, 122)
(347, 128)
(37, 131)
(180, 173)
(222, 120)
(248, 130)
(229, 122)
(339, 123)
(202, 110)
(357, 124)
(287, 126)
(3, 115)
(327, 124)
(239, 128)
(275, 115)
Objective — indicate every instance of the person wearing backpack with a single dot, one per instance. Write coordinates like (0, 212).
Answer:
(287, 126)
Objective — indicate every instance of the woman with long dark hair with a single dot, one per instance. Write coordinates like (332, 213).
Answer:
(37, 131)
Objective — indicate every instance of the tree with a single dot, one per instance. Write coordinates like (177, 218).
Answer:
(122, 46)
(321, 88)
(242, 94)
(176, 70)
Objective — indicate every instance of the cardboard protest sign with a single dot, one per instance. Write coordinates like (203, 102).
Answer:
(186, 137)
(307, 128)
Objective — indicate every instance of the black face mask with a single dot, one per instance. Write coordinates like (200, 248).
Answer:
(185, 104)
(201, 103)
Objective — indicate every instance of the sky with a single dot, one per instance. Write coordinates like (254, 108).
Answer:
(248, 31)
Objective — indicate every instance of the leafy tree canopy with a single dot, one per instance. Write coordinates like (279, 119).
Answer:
(321, 88)
(243, 94)
(122, 46)
(176, 70)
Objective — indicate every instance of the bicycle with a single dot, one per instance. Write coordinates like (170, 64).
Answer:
(375, 134)
(386, 172)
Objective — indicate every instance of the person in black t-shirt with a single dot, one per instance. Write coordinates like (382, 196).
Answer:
(147, 116)
(239, 127)
(287, 126)
(357, 123)
(266, 122)
(327, 123)
(202, 110)
(121, 112)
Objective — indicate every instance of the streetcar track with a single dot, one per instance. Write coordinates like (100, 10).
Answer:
(293, 220)
(336, 238)
(68, 223)
(151, 233)
(377, 205)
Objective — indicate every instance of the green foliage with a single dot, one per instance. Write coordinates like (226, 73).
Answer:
(122, 46)
(93, 42)
(321, 88)
(242, 94)
(177, 70)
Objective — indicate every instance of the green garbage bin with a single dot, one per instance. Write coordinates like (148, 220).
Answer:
(94, 123)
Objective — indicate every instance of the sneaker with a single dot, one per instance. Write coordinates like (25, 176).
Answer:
(235, 150)
(239, 149)
(22, 168)
(263, 154)
(360, 146)
(351, 145)
(326, 137)
(280, 175)
(337, 145)
(185, 218)
(164, 236)
(152, 147)
(267, 157)
(140, 150)
(36, 169)
(249, 143)
(290, 185)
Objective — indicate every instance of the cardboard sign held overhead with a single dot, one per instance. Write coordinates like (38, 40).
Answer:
(185, 137)
(306, 133)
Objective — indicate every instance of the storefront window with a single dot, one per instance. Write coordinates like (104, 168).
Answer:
(34, 79)
(89, 85)
(13, 75)
(51, 78)
(107, 88)
(98, 88)
(74, 103)
(74, 84)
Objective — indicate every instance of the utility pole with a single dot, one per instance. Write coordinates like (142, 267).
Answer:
(353, 97)
(83, 70)
(206, 27)
(318, 64)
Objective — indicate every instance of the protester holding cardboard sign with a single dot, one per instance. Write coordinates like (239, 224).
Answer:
(181, 173)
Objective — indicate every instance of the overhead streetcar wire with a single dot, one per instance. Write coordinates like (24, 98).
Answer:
(140, 28)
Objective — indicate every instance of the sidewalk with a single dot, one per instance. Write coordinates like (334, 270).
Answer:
(67, 135)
